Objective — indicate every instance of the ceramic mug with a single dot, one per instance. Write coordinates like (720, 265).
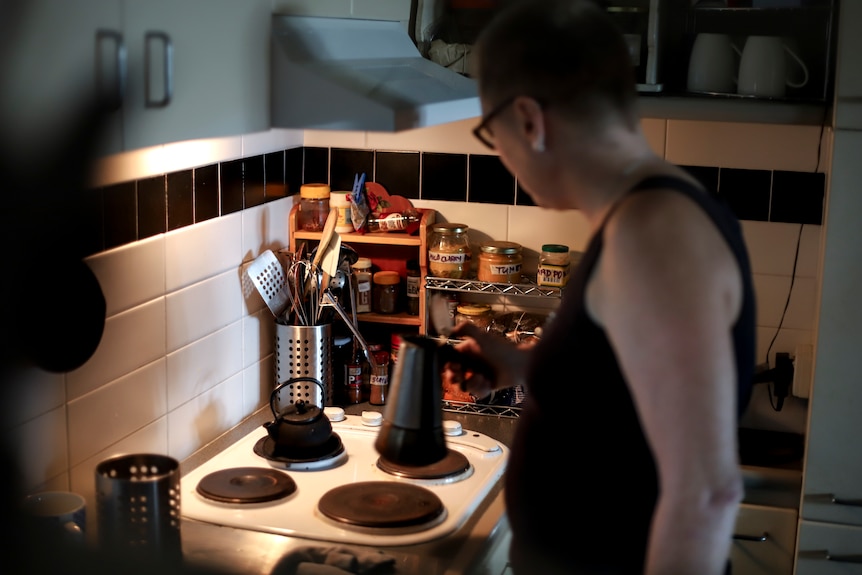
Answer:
(712, 64)
(763, 68)
(61, 514)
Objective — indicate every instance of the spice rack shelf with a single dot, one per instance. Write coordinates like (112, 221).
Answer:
(388, 249)
(526, 288)
(481, 409)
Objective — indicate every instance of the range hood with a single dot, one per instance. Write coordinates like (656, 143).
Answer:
(350, 74)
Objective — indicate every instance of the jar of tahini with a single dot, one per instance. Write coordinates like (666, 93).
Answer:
(500, 262)
(449, 251)
(553, 266)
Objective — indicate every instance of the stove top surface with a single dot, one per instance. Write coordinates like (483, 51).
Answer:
(297, 514)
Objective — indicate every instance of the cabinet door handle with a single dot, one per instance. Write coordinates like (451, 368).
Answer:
(762, 537)
(824, 555)
(168, 69)
(111, 97)
(830, 498)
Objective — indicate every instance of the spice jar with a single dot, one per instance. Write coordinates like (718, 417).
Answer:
(313, 206)
(343, 221)
(553, 266)
(355, 373)
(480, 314)
(387, 290)
(362, 275)
(500, 262)
(414, 278)
(449, 251)
(379, 383)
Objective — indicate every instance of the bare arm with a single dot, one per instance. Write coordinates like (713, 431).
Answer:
(667, 291)
(498, 362)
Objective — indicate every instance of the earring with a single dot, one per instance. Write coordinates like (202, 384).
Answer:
(539, 144)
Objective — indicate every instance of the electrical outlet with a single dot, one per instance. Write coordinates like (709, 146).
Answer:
(803, 370)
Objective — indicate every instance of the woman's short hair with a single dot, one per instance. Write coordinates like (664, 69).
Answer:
(568, 54)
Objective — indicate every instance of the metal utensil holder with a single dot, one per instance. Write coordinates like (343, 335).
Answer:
(303, 351)
(138, 506)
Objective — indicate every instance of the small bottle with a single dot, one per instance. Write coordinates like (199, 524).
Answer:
(387, 292)
(354, 376)
(414, 278)
(313, 206)
(406, 221)
(553, 266)
(362, 275)
(379, 383)
(341, 204)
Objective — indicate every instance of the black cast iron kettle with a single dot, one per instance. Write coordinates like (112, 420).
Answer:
(301, 425)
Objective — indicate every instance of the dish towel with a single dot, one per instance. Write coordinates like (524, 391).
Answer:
(334, 561)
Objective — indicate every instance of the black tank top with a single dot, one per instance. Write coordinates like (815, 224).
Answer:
(581, 483)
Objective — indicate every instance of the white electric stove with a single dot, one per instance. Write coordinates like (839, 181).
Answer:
(382, 506)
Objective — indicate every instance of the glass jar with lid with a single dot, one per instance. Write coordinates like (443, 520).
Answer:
(313, 206)
(553, 266)
(387, 292)
(500, 262)
(479, 314)
(449, 251)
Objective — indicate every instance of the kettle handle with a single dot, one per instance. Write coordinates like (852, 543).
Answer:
(274, 394)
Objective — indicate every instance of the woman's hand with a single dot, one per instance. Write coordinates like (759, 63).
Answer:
(484, 361)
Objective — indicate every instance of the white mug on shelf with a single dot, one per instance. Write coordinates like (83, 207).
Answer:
(763, 68)
(712, 65)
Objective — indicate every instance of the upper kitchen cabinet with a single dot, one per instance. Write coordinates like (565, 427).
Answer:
(159, 70)
(58, 59)
(197, 69)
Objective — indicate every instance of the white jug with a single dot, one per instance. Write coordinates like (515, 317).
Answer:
(763, 68)
(712, 64)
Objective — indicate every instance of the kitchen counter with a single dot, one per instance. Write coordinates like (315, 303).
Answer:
(229, 550)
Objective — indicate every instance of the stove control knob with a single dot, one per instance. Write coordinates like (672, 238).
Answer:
(372, 418)
(451, 427)
(334, 413)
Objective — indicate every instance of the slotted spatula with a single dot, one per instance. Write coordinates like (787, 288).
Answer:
(268, 277)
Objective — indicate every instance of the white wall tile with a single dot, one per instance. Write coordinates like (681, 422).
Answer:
(258, 381)
(205, 417)
(655, 132)
(772, 291)
(266, 227)
(131, 274)
(178, 156)
(40, 447)
(198, 252)
(130, 340)
(772, 248)
(334, 139)
(750, 146)
(270, 141)
(453, 138)
(258, 336)
(203, 364)
(116, 410)
(28, 392)
(203, 308)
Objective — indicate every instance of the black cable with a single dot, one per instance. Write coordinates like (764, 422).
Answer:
(783, 313)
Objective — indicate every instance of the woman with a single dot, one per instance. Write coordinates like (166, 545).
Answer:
(625, 457)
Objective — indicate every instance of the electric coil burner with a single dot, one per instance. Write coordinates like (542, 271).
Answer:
(345, 493)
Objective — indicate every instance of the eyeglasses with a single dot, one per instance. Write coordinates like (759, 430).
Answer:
(483, 132)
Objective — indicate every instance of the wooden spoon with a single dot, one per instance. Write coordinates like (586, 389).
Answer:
(325, 238)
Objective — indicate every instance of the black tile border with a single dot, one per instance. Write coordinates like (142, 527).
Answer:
(129, 211)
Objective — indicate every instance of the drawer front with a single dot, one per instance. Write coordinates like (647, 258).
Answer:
(829, 549)
(764, 541)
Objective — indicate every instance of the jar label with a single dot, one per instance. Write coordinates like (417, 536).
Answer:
(553, 276)
(379, 379)
(412, 286)
(446, 257)
(505, 269)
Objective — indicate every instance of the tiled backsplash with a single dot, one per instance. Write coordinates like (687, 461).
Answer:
(187, 353)
(139, 209)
